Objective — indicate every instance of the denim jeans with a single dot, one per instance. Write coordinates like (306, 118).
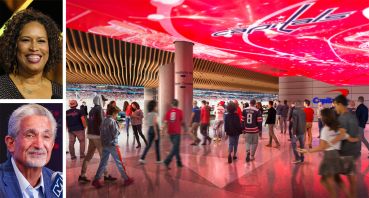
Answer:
(290, 129)
(128, 120)
(301, 139)
(233, 144)
(176, 140)
(204, 129)
(93, 145)
(115, 153)
(320, 125)
(151, 139)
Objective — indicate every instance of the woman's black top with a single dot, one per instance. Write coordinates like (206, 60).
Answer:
(8, 90)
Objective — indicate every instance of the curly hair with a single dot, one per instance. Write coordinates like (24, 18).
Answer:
(8, 41)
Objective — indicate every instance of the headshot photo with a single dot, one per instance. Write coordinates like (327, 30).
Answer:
(31, 150)
(31, 52)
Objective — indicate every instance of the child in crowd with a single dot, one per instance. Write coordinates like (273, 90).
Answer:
(109, 132)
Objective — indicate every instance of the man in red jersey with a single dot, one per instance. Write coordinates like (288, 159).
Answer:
(172, 124)
(205, 122)
(309, 121)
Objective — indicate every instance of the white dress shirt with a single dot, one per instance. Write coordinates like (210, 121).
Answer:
(27, 190)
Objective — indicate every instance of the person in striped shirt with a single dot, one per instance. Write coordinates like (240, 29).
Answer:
(253, 122)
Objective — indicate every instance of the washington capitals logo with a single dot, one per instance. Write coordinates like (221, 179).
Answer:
(291, 21)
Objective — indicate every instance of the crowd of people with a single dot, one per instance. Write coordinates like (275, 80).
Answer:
(341, 130)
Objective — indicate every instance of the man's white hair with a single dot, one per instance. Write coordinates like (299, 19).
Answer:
(29, 110)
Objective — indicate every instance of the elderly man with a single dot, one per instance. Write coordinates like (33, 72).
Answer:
(30, 140)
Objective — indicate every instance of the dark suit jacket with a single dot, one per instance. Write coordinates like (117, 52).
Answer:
(9, 186)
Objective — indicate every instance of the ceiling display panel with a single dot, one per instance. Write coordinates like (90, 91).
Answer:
(323, 40)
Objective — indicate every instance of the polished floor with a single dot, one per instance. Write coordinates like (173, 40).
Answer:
(206, 172)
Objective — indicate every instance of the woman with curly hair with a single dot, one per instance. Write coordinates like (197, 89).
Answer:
(29, 48)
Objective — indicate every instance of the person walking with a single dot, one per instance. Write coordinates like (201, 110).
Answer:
(284, 114)
(154, 133)
(76, 125)
(172, 124)
(320, 123)
(195, 123)
(290, 121)
(219, 121)
(309, 122)
(270, 121)
(330, 166)
(260, 107)
(279, 109)
(253, 121)
(205, 122)
(298, 132)
(95, 117)
(127, 109)
(350, 151)
(136, 118)
(362, 117)
(232, 128)
(109, 132)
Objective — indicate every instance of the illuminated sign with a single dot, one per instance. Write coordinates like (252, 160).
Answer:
(327, 100)
(291, 21)
(323, 40)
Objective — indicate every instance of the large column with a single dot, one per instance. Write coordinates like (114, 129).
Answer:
(166, 88)
(149, 94)
(183, 75)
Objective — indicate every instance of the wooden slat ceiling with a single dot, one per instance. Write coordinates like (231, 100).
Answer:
(94, 59)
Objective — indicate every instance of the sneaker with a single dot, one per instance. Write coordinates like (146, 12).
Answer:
(277, 146)
(296, 162)
(142, 161)
(82, 156)
(229, 159)
(128, 182)
(193, 144)
(248, 157)
(204, 143)
(268, 145)
(180, 165)
(97, 184)
(83, 180)
(159, 162)
(109, 178)
(139, 146)
(234, 157)
(73, 158)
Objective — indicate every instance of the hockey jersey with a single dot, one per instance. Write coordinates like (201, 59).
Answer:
(252, 119)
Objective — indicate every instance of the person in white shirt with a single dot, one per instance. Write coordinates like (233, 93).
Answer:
(219, 121)
(330, 166)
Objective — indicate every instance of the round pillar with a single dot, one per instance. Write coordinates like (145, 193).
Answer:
(183, 76)
(166, 88)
